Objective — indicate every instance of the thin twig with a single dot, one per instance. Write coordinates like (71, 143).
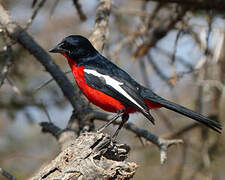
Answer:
(175, 46)
(165, 119)
(7, 175)
(46, 83)
(179, 174)
(134, 12)
(79, 10)
(34, 3)
(48, 127)
(158, 71)
(182, 131)
(144, 73)
(154, 15)
(40, 5)
(46, 111)
(122, 43)
(54, 7)
(7, 50)
(162, 143)
(14, 87)
(160, 31)
(178, 58)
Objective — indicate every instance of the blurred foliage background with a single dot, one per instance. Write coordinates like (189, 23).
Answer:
(175, 50)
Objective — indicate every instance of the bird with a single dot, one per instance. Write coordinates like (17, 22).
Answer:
(112, 89)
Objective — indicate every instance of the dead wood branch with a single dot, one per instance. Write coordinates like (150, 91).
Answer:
(161, 29)
(161, 143)
(18, 34)
(99, 32)
(7, 175)
(91, 156)
(7, 53)
(79, 10)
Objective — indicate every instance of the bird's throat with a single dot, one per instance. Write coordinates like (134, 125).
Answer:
(71, 62)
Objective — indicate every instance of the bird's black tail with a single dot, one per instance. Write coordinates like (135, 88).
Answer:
(148, 94)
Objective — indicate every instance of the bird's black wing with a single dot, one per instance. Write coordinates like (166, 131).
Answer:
(106, 77)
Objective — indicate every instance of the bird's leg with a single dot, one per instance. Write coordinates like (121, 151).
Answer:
(125, 118)
(119, 114)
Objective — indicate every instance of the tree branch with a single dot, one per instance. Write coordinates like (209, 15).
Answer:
(218, 5)
(79, 10)
(90, 156)
(15, 32)
(99, 32)
(7, 175)
(161, 29)
(7, 55)
(161, 143)
(48, 127)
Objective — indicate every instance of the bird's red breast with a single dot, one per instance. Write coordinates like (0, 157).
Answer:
(95, 96)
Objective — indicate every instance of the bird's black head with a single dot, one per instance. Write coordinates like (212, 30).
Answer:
(75, 47)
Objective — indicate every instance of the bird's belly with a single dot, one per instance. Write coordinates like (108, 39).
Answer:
(102, 100)
(95, 96)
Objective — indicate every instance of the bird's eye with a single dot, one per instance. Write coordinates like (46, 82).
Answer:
(67, 47)
(64, 46)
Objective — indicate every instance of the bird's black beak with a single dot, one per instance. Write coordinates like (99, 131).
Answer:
(57, 49)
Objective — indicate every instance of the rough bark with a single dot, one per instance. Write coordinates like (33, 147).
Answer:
(90, 156)
(99, 33)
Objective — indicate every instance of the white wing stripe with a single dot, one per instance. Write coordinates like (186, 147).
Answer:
(113, 83)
